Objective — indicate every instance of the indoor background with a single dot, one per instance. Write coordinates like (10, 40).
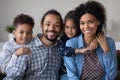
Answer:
(36, 8)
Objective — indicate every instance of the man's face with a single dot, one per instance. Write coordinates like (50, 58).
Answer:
(51, 27)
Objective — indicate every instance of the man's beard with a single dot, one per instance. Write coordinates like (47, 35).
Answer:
(52, 40)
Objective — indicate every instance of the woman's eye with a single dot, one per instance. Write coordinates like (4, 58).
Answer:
(90, 22)
(67, 27)
(81, 23)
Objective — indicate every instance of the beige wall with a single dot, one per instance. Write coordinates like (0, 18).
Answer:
(36, 8)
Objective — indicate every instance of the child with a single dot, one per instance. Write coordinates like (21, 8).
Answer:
(23, 25)
(71, 30)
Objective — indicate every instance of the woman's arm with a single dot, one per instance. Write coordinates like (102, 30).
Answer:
(109, 56)
(71, 68)
(110, 61)
(71, 64)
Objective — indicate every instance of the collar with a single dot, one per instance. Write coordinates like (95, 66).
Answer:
(38, 41)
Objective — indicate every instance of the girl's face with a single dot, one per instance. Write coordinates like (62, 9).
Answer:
(70, 29)
(89, 25)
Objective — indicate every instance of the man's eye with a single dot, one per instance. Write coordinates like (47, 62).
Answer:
(57, 25)
(29, 32)
(48, 24)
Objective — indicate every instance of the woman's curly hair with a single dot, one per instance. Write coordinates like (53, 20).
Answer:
(94, 8)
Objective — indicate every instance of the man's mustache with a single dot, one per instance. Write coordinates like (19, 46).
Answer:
(52, 31)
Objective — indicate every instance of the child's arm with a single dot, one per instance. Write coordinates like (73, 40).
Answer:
(5, 56)
(82, 51)
(8, 57)
(22, 50)
(93, 45)
(103, 42)
(67, 51)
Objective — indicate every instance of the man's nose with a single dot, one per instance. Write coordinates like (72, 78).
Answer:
(52, 27)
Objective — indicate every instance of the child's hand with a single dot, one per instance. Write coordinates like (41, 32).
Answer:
(102, 41)
(22, 50)
(83, 50)
(93, 45)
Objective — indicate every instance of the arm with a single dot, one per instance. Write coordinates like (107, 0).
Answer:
(22, 50)
(8, 57)
(5, 56)
(109, 56)
(110, 61)
(18, 69)
(71, 68)
(67, 51)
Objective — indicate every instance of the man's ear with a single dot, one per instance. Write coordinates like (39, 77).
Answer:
(41, 25)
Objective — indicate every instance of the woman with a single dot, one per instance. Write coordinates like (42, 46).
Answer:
(97, 64)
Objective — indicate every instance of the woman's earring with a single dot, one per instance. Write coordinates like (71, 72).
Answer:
(98, 23)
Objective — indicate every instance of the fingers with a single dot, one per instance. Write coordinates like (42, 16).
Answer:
(26, 50)
(85, 50)
(102, 41)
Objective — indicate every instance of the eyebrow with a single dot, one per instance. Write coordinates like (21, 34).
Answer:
(50, 22)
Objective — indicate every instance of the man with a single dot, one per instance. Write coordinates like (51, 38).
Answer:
(44, 61)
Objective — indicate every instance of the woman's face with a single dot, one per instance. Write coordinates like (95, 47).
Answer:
(70, 29)
(89, 25)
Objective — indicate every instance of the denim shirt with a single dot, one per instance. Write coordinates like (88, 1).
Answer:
(74, 64)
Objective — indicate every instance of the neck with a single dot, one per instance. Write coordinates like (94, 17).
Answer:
(46, 42)
(88, 40)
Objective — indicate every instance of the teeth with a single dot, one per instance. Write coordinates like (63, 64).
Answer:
(87, 31)
(50, 33)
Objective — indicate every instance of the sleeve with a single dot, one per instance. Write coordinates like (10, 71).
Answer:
(110, 61)
(5, 56)
(11, 62)
(18, 69)
(71, 65)
(67, 51)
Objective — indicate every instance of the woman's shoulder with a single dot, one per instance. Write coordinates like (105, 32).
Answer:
(109, 39)
(74, 39)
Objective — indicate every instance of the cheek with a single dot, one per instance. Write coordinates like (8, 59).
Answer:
(95, 27)
(74, 31)
(65, 30)
(58, 30)
(80, 28)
